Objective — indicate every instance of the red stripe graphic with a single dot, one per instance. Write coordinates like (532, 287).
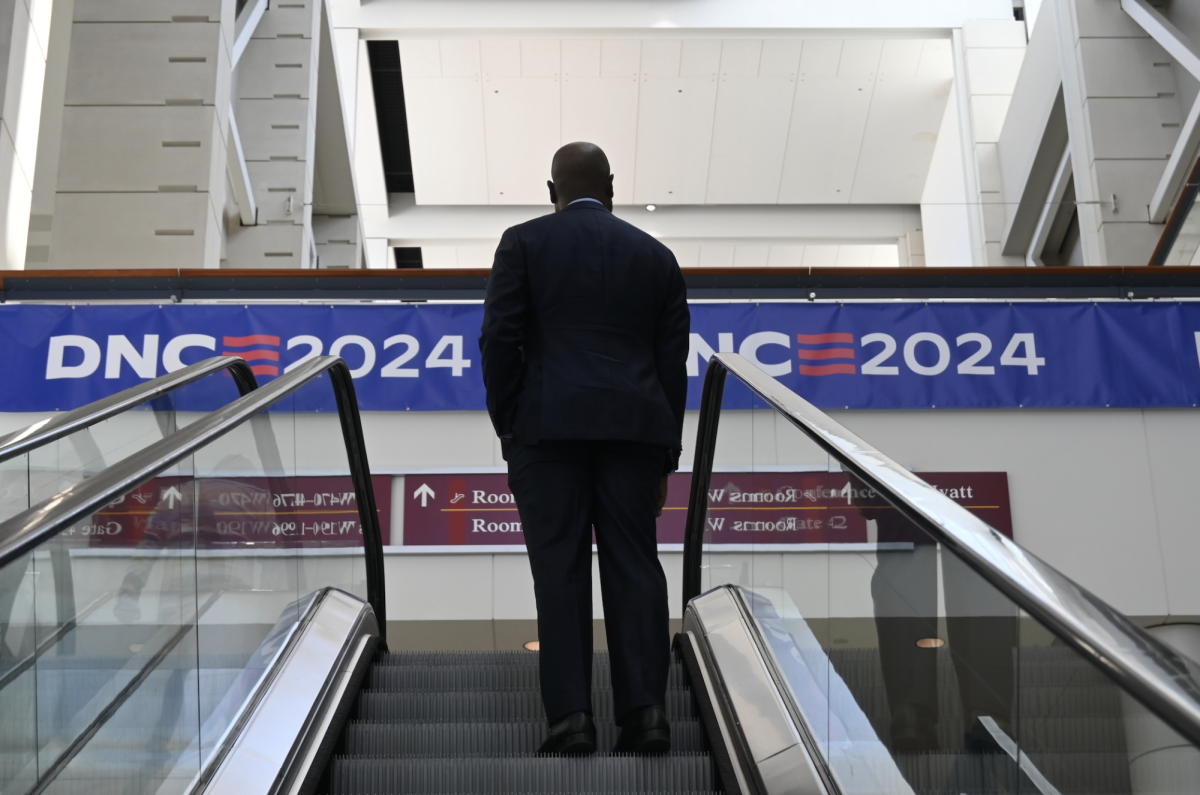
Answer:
(252, 355)
(828, 353)
(810, 339)
(827, 369)
(264, 369)
(253, 339)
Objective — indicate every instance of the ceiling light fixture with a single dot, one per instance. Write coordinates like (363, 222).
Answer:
(533, 645)
(931, 643)
(651, 207)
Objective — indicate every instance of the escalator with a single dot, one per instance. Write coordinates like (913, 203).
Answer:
(891, 642)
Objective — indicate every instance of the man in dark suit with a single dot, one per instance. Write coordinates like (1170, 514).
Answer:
(585, 337)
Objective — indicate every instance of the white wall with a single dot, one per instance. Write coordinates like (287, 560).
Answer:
(1102, 495)
(1106, 496)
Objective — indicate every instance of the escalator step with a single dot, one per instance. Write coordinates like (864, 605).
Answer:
(488, 706)
(475, 677)
(476, 658)
(596, 774)
(401, 739)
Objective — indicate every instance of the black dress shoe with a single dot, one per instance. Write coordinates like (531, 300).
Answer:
(573, 735)
(644, 731)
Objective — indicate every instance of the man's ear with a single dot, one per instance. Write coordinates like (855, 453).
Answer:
(553, 192)
(610, 186)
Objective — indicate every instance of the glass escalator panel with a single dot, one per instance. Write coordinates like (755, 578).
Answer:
(30, 477)
(128, 656)
(911, 672)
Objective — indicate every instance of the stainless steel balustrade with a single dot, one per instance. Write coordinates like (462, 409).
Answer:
(1041, 663)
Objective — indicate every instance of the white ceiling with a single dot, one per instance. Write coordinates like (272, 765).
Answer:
(693, 121)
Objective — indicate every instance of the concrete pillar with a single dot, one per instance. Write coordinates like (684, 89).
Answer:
(141, 169)
(1161, 762)
(1124, 116)
(992, 53)
(276, 104)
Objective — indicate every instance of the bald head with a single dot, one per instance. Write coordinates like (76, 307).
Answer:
(580, 171)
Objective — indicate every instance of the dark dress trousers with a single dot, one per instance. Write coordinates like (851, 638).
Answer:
(585, 337)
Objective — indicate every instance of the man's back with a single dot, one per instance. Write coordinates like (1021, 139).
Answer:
(585, 332)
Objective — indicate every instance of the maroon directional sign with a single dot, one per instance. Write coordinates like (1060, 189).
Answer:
(302, 511)
(743, 508)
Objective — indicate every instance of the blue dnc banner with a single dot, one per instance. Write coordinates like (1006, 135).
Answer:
(426, 357)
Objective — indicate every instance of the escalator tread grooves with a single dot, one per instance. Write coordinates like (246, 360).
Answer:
(471, 722)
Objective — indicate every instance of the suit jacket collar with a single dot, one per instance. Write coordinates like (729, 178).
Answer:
(586, 206)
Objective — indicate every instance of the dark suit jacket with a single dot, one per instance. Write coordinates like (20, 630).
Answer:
(585, 332)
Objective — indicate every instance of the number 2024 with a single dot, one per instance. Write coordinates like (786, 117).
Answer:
(1020, 352)
(447, 353)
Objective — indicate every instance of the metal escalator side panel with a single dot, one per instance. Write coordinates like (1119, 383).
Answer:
(730, 755)
(856, 758)
(274, 745)
(754, 708)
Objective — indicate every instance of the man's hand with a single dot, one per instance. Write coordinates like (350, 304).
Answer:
(662, 494)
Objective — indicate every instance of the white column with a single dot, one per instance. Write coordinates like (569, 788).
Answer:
(992, 53)
(275, 109)
(1161, 762)
(24, 64)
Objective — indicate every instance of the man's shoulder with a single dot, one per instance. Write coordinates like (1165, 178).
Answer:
(562, 222)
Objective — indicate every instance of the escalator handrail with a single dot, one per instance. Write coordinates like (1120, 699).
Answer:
(60, 425)
(1165, 681)
(32, 527)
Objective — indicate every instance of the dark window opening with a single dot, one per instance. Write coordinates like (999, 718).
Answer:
(391, 115)
(408, 257)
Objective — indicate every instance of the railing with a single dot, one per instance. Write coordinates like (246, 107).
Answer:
(209, 577)
(995, 593)
(69, 422)
(169, 286)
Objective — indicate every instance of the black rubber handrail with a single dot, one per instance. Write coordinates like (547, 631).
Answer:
(1166, 682)
(34, 526)
(60, 425)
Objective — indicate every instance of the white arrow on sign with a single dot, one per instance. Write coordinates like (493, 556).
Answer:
(425, 493)
(170, 495)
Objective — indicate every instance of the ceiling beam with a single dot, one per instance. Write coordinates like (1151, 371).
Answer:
(409, 224)
(696, 15)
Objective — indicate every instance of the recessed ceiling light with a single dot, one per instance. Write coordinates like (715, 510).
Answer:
(651, 207)
(931, 643)
(533, 645)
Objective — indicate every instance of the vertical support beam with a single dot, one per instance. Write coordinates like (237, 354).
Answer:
(967, 142)
(1087, 191)
(23, 76)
